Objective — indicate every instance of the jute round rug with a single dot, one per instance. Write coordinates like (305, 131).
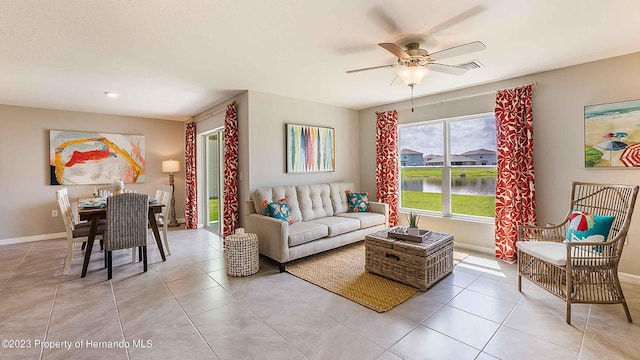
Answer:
(341, 271)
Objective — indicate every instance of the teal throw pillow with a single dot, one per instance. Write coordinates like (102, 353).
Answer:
(358, 202)
(278, 210)
(584, 226)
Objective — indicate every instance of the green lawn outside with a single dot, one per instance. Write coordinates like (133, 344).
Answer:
(213, 210)
(476, 205)
(410, 174)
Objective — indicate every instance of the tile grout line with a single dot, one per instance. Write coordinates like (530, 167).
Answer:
(53, 303)
(115, 303)
(180, 305)
(584, 331)
(16, 267)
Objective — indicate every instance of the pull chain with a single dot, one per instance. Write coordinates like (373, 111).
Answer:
(411, 98)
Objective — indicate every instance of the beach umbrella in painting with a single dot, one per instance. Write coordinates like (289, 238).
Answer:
(630, 157)
(581, 221)
(612, 145)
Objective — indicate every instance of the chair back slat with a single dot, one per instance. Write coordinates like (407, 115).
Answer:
(65, 209)
(126, 221)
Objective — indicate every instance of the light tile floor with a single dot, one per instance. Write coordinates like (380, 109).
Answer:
(187, 308)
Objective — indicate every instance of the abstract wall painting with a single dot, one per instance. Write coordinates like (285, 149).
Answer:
(78, 158)
(612, 135)
(310, 149)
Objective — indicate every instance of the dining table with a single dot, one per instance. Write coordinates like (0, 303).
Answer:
(93, 214)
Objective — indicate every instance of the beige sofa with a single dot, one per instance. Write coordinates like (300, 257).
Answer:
(321, 220)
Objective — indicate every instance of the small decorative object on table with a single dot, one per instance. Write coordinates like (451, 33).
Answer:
(118, 187)
(413, 218)
(402, 233)
(241, 253)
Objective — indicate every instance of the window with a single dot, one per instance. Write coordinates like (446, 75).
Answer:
(449, 166)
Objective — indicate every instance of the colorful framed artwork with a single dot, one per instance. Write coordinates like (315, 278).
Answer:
(310, 148)
(80, 158)
(612, 135)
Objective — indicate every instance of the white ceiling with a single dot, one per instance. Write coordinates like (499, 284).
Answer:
(171, 59)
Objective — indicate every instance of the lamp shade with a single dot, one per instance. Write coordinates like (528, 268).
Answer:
(412, 75)
(170, 166)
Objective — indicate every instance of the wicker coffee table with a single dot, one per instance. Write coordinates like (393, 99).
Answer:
(419, 265)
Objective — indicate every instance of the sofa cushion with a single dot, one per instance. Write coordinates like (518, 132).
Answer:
(367, 219)
(338, 225)
(314, 201)
(339, 197)
(303, 232)
(275, 193)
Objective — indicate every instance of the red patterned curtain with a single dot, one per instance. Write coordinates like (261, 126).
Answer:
(231, 216)
(387, 162)
(515, 191)
(191, 205)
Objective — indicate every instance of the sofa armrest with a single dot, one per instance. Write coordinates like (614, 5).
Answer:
(273, 235)
(380, 208)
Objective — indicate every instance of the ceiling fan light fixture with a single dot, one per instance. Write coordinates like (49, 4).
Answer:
(412, 75)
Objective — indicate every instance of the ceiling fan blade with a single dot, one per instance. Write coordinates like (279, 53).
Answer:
(382, 19)
(457, 19)
(371, 68)
(447, 69)
(395, 50)
(458, 50)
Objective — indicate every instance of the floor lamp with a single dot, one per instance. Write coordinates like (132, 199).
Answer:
(171, 167)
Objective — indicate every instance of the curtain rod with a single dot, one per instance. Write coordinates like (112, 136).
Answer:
(212, 111)
(534, 83)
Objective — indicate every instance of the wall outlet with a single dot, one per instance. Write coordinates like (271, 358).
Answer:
(54, 213)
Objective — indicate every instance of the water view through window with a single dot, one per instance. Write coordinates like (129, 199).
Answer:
(458, 179)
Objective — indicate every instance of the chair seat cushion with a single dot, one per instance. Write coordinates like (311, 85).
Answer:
(81, 231)
(367, 219)
(303, 232)
(556, 252)
(338, 225)
(88, 223)
(551, 252)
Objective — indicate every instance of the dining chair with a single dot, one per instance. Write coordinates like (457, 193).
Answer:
(163, 216)
(577, 260)
(126, 225)
(76, 232)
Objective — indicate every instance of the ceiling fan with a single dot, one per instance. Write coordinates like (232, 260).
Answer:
(414, 63)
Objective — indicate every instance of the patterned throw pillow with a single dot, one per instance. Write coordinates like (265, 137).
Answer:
(584, 226)
(358, 202)
(278, 210)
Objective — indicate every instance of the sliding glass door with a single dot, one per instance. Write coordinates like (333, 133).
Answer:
(214, 148)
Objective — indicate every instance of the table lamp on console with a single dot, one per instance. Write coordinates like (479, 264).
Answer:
(171, 167)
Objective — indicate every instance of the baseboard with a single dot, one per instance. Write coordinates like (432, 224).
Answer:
(624, 277)
(26, 239)
(476, 248)
(629, 278)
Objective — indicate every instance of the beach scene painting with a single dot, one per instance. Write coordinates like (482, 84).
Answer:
(310, 149)
(612, 135)
(80, 158)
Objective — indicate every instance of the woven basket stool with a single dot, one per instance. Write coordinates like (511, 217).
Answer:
(241, 254)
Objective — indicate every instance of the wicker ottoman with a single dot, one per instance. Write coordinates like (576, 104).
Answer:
(419, 265)
(241, 254)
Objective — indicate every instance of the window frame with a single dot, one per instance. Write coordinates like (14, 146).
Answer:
(446, 169)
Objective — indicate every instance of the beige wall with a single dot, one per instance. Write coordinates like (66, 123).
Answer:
(261, 125)
(268, 115)
(27, 200)
(558, 103)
